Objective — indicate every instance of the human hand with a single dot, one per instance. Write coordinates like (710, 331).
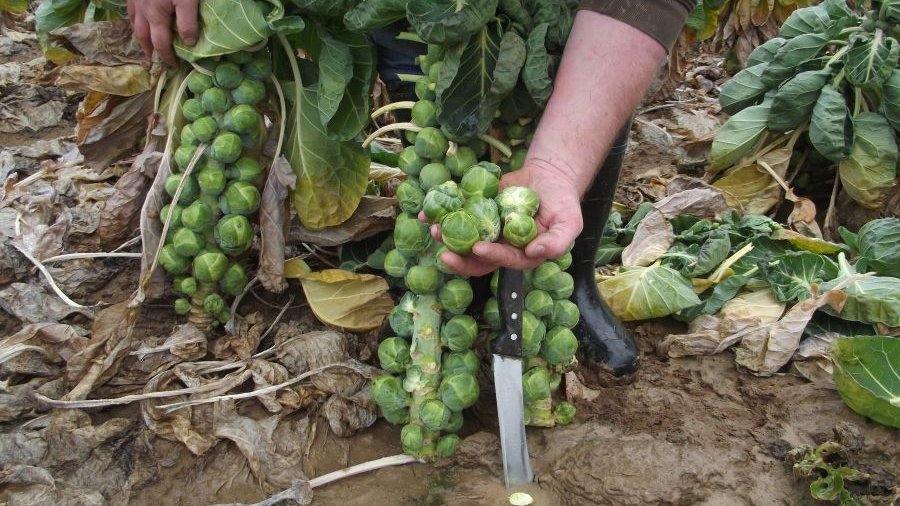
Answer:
(151, 22)
(558, 219)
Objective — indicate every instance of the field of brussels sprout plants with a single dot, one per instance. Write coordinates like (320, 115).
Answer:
(219, 283)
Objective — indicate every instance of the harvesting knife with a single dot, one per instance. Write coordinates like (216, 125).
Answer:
(508, 379)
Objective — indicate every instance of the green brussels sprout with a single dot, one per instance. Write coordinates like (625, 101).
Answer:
(197, 217)
(455, 296)
(518, 199)
(423, 279)
(431, 144)
(517, 160)
(199, 82)
(478, 181)
(411, 236)
(424, 113)
(176, 215)
(192, 109)
(435, 52)
(460, 160)
(533, 331)
(211, 180)
(446, 446)
(416, 379)
(459, 231)
(223, 316)
(396, 416)
(459, 391)
(172, 262)
(250, 92)
(388, 393)
(455, 423)
(565, 314)
(564, 413)
(491, 313)
(183, 156)
(393, 354)
(547, 276)
(487, 217)
(240, 198)
(459, 332)
(565, 261)
(441, 200)
(425, 90)
(539, 303)
(250, 140)
(213, 303)
(228, 75)
(401, 322)
(519, 229)
(227, 147)
(410, 137)
(187, 243)
(234, 234)
(434, 71)
(412, 438)
(189, 191)
(536, 384)
(214, 100)
(559, 346)
(234, 280)
(459, 362)
(259, 68)
(242, 119)
(209, 266)
(185, 285)
(409, 162)
(432, 175)
(395, 264)
(410, 196)
(205, 128)
(182, 306)
(516, 131)
(245, 169)
(566, 287)
(187, 138)
(440, 263)
(492, 168)
(434, 414)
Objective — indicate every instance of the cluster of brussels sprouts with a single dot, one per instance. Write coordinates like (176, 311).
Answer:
(210, 224)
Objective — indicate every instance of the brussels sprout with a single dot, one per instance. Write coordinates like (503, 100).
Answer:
(491, 313)
(517, 160)
(234, 234)
(228, 75)
(434, 414)
(416, 380)
(197, 217)
(533, 331)
(412, 438)
(240, 198)
(440, 200)
(176, 215)
(539, 303)
(547, 277)
(486, 215)
(455, 423)
(516, 131)
(424, 113)
(409, 162)
(423, 279)
(395, 264)
(259, 68)
(459, 332)
(214, 100)
(211, 181)
(518, 199)
(227, 147)
(411, 236)
(187, 243)
(432, 175)
(242, 119)
(401, 322)
(234, 280)
(393, 354)
(492, 168)
(440, 263)
(189, 191)
(172, 262)
(192, 109)
(435, 52)
(205, 128)
(410, 196)
(187, 138)
(209, 266)
(185, 285)
(536, 384)
(565, 314)
(410, 137)
(250, 92)
(183, 155)
(431, 144)
(434, 71)
(455, 296)
(458, 362)
(459, 391)
(519, 229)
(425, 90)
(566, 287)
(388, 393)
(182, 306)
(240, 57)
(250, 140)
(559, 346)
(478, 181)
(446, 446)
(460, 160)
(459, 231)
(213, 303)
(396, 416)
(564, 413)
(223, 316)
(245, 169)
(199, 82)
(565, 261)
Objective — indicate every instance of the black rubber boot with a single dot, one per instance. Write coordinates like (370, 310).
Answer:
(602, 336)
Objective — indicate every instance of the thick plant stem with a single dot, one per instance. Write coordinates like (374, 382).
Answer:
(197, 315)
(426, 355)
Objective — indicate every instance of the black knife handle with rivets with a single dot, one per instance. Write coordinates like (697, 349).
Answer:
(511, 303)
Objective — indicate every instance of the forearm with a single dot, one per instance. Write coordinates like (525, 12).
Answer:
(606, 68)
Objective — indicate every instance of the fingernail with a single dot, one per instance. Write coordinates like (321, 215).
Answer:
(190, 41)
(539, 250)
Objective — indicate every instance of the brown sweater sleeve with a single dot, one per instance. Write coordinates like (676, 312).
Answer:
(660, 19)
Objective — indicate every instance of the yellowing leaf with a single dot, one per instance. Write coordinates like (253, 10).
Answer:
(752, 187)
(804, 243)
(14, 6)
(122, 80)
(351, 301)
(296, 268)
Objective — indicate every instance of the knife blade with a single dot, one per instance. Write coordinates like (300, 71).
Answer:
(507, 361)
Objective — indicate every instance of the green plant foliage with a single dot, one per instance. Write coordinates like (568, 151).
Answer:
(866, 374)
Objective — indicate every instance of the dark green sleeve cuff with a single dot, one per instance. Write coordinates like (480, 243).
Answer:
(660, 19)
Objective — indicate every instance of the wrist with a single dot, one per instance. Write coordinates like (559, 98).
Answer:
(558, 173)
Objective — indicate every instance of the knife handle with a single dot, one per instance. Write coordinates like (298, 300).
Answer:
(511, 303)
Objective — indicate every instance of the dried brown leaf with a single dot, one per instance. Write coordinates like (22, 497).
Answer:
(274, 217)
(243, 342)
(374, 215)
(104, 42)
(31, 304)
(122, 80)
(151, 228)
(111, 338)
(653, 237)
(111, 126)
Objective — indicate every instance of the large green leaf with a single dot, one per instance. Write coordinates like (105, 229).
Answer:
(796, 99)
(449, 21)
(867, 375)
(870, 299)
(738, 136)
(372, 14)
(516, 11)
(793, 274)
(744, 89)
(536, 73)
(868, 174)
(805, 20)
(891, 102)
(830, 129)
(877, 243)
(346, 71)
(559, 18)
(791, 55)
(227, 26)
(765, 52)
(324, 8)
(871, 58)
(641, 293)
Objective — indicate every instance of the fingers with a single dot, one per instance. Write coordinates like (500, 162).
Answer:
(141, 30)
(161, 35)
(555, 241)
(467, 266)
(186, 21)
(435, 232)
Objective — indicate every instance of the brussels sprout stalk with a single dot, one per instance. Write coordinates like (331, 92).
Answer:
(426, 356)
(198, 316)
